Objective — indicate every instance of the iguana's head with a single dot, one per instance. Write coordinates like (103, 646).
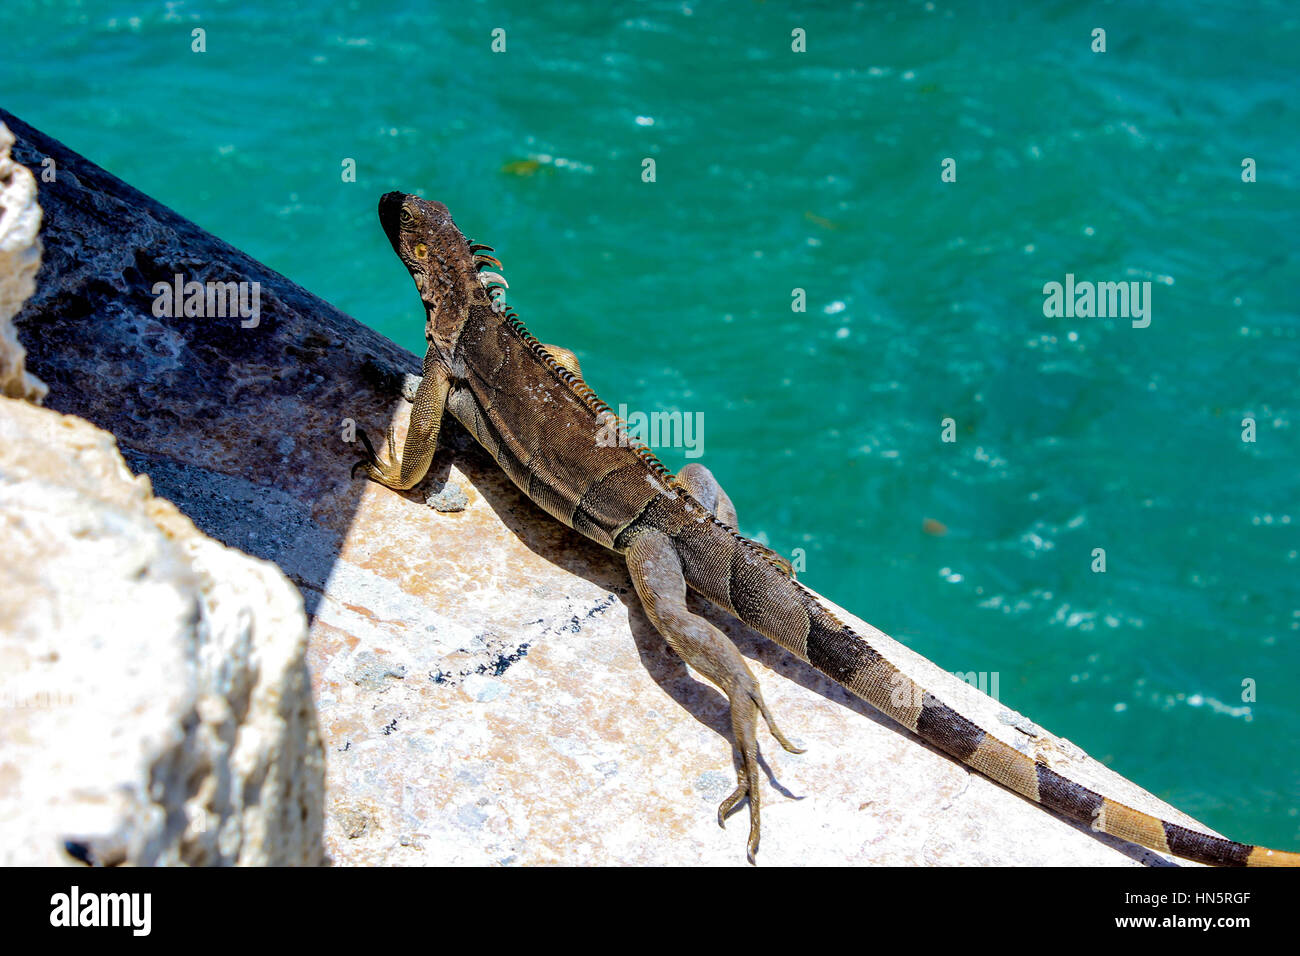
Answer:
(447, 270)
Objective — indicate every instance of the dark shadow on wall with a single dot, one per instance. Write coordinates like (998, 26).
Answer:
(238, 422)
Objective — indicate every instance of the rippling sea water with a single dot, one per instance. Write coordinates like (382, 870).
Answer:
(820, 170)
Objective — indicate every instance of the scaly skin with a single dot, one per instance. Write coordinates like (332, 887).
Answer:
(527, 404)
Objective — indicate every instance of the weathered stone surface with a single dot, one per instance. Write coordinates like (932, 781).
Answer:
(488, 687)
(20, 257)
(156, 705)
(595, 745)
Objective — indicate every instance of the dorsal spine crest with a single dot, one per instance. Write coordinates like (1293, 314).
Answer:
(602, 410)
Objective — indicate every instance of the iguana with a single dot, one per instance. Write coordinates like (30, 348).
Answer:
(527, 404)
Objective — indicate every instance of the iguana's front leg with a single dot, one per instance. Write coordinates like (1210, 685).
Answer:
(704, 488)
(421, 434)
(565, 359)
(656, 571)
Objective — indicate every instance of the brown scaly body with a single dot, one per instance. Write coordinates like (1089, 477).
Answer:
(527, 404)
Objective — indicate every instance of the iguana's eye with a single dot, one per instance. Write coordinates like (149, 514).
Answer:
(406, 217)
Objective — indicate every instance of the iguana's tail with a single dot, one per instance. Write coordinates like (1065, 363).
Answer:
(759, 592)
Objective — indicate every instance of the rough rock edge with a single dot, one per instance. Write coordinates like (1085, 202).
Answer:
(20, 259)
(221, 764)
(234, 774)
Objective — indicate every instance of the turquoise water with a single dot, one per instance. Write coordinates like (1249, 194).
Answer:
(821, 171)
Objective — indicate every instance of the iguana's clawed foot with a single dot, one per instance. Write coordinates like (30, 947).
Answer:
(384, 472)
(369, 460)
(745, 707)
(425, 421)
(656, 570)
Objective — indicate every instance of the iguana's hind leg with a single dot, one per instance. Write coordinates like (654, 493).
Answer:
(657, 575)
(407, 470)
(704, 488)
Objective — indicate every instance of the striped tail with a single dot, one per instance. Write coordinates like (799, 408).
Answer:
(757, 591)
